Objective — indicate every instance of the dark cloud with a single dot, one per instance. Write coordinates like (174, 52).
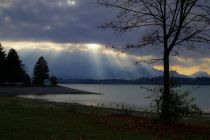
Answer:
(57, 21)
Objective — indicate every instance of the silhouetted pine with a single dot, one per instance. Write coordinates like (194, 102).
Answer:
(2, 65)
(15, 69)
(41, 72)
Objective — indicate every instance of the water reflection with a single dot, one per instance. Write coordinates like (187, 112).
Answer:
(121, 96)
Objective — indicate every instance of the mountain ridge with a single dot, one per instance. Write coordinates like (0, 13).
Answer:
(200, 74)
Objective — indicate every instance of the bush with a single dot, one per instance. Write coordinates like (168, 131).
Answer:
(180, 104)
(53, 81)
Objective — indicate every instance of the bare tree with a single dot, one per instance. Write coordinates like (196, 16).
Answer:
(170, 25)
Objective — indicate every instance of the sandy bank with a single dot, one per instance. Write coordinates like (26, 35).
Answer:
(41, 90)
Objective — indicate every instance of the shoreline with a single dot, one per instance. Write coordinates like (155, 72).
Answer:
(103, 110)
(42, 91)
(49, 120)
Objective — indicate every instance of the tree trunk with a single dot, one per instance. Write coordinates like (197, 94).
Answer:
(165, 114)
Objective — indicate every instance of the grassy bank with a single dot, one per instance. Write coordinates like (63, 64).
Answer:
(37, 120)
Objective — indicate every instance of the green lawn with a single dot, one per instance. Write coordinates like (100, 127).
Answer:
(37, 120)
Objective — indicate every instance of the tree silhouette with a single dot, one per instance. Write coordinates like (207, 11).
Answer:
(2, 65)
(15, 69)
(41, 71)
(167, 25)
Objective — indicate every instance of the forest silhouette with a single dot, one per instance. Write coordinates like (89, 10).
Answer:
(13, 71)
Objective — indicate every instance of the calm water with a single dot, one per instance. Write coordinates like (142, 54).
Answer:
(116, 96)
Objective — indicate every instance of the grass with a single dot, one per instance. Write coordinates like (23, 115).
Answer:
(37, 120)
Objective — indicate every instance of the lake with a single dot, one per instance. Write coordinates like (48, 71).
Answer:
(122, 96)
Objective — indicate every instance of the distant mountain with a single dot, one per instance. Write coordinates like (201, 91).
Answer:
(176, 74)
(200, 74)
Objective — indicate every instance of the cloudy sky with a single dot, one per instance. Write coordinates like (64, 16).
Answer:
(66, 33)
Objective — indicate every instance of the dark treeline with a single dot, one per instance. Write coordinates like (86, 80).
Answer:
(140, 81)
(13, 73)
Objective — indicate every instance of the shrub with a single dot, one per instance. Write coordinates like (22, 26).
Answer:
(180, 104)
(53, 81)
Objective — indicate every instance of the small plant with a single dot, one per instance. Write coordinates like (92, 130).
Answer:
(126, 109)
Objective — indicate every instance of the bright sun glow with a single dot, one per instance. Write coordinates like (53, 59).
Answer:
(71, 2)
(93, 47)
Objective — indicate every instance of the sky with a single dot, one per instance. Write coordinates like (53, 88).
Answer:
(67, 34)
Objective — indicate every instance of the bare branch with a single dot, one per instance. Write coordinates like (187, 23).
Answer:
(150, 61)
(169, 23)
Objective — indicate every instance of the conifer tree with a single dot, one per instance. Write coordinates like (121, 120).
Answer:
(41, 72)
(15, 68)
